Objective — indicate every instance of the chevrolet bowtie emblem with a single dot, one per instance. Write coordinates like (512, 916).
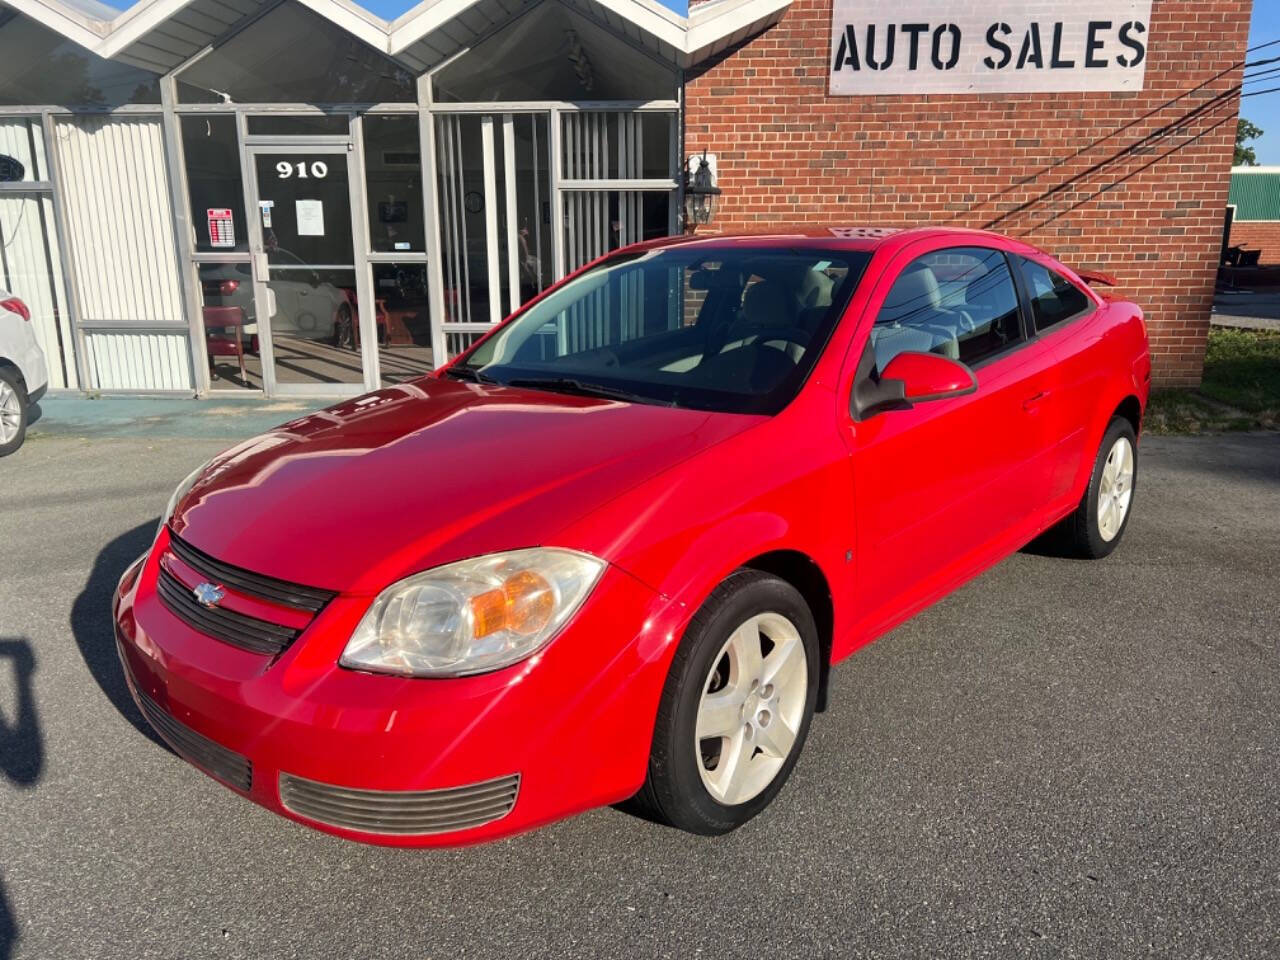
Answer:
(209, 595)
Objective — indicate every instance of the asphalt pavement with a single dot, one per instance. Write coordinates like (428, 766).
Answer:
(1065, 758)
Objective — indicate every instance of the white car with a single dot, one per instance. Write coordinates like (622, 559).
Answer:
(23, 374)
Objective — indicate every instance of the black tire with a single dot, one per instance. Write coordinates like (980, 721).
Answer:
(1082, 530)
(674, 792)
(14, 382)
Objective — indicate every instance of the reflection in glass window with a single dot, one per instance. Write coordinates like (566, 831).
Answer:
(1054, 298)
(597, 221)
(958, 302)
(403, 320)
(553, 53)
(231, 331)
(39, 67)
(295, 56)
(211, 153)
(393, 177)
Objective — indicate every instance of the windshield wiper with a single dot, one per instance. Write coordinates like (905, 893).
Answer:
(580, 387)
(470, 374)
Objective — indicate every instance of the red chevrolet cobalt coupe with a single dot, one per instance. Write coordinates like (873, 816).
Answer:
(614, 548)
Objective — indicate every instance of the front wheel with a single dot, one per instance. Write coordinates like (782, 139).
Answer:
(1100, 520)
(13, 412)
(736, 707)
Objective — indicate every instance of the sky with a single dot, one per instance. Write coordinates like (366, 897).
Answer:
(1264, 109)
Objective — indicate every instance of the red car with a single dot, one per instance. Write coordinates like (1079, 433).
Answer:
(613, 549)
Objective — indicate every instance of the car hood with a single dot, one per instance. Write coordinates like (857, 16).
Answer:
(359, 495)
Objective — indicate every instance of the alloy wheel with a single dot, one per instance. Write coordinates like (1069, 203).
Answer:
(751, 708)
(10, 413)
(1115, 488)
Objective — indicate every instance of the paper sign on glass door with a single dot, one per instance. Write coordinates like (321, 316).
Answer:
(310, 218)
(222, 232)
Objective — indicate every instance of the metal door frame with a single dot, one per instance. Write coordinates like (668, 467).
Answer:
(253, 147)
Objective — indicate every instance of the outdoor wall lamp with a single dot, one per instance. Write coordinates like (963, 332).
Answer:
(701, 195)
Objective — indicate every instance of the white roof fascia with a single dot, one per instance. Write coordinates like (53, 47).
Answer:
(709, 23)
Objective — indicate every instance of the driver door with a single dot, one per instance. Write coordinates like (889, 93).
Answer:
(940, 485)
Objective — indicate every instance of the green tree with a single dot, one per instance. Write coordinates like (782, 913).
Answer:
(1246, 131)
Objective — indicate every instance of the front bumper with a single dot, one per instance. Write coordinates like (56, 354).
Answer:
(572, 724)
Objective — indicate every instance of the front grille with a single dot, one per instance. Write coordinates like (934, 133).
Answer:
(240, 630)
(227, 765)
(311, 599)
(400, 811)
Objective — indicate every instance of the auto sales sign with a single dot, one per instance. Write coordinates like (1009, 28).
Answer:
(988, 46)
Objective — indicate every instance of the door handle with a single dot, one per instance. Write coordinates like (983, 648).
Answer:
(1034, 401)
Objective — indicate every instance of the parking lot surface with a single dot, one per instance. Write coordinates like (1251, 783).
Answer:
(1065, 758)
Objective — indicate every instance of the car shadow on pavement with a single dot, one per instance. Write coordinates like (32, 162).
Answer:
(92, 627)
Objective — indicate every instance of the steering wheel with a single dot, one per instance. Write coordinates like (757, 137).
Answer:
(788, 334)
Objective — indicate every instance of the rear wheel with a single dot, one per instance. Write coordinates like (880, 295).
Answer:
(13, 412)
(736, 707)
(1100, 520)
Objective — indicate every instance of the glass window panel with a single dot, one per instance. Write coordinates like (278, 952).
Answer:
(1054, 298)
(313, 326)
(211, 154)
(597, 221)
(403, 318)
(295, 56)
(533, 205)
(22, 157)
(393, 178)
(553, 53)
(462, 219)
(230, 326)
(286, 126)
(617, 145)
(39, 67)
(310, 209)
(959, 302)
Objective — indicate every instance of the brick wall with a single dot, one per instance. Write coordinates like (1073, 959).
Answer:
(1131, 183)
(1261, 235)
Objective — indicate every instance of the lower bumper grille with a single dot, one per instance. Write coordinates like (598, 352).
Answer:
(400, 811)
(226, 765)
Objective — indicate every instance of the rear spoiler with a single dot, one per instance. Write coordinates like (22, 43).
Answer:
(1098, 277)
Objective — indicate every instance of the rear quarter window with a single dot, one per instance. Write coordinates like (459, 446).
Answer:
(1054, 298)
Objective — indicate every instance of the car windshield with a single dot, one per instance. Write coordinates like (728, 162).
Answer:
(723, 328)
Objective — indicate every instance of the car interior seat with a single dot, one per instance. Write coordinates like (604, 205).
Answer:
(913, 319)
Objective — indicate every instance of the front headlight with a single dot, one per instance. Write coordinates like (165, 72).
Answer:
(473, 616)
(182, 490)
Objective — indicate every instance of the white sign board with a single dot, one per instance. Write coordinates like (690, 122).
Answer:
(993, 46)
(310, 218)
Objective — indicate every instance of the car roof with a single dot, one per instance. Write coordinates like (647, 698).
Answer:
(834, 236)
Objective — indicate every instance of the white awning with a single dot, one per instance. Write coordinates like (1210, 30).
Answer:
(159, 35)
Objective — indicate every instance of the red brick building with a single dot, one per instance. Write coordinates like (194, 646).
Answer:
(1131, 182)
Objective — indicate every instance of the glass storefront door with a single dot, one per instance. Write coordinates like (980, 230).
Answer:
(306, 318)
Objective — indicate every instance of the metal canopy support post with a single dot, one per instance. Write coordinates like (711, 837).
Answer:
(513, 227)
(430, 180)
(491, 217)
(191, 300)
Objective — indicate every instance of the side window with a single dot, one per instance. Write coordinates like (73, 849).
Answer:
(1054, 298)
(959, 302)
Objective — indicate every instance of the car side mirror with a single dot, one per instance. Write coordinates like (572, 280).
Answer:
(909, 378)
(929, 376)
